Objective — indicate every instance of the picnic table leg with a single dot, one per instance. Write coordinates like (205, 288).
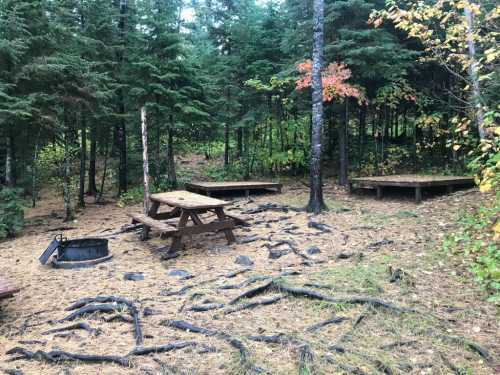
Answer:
(449, 189)
(418, 194)
(177, 239)
(153, 210)
(228, 232)
(379, 192)
(145, 232)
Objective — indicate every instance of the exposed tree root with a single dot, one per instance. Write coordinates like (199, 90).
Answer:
(206, 307)
(179, 292)
(56, 356)
(333, 320)
(12, 372)
(108, 304)
(162, 348)
(234, 342)
(470, 345)
(306, 357)
(451, 366)
(379, 365)
(90, 309)
(398, 344)
(344, 367)
(236, 273)
(83, 326)
(324, 228)
(253, 292)
(251, 305)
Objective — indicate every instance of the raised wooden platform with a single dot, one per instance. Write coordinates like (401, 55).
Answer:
(7, 289)
(246, 186)
(418, 182)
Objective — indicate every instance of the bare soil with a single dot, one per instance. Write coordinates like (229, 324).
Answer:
(368, 242)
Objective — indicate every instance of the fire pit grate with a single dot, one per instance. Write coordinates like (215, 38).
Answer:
(76, 253)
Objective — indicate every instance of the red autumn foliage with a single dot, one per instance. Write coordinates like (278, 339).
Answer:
(334, 79)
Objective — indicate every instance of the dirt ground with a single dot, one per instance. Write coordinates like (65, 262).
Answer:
(364, 243)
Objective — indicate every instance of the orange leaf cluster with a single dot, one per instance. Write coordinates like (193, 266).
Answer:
(334, 79)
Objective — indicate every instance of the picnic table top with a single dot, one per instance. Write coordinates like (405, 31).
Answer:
(413, 180)
(224, 185)
(187, 200)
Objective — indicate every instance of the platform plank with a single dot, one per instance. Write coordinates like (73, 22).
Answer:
(208, 187)
(7, 289)
(417, 182)
(413, 180)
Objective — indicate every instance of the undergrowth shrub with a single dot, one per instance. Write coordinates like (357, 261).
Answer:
(11, 213)
(478, 241)
(216, 172)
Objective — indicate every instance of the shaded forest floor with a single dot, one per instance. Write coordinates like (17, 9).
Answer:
(386, 250)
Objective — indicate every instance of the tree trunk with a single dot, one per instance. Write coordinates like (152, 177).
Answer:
(34, 176)
(121, 130)
(92, 188)
(239, 141)
(226, 144)
(83, 162)
(145, 161)
(362, 133)
(343, 147)
(171, 174)
(9, 161)
(473, 73)
(316, 203)
(99, 195)
(68, 208)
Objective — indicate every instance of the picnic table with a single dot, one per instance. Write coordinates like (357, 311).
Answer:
(183, 206)
(7, 289)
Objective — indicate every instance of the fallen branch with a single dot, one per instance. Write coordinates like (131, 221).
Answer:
(56, 356)
(83, 326)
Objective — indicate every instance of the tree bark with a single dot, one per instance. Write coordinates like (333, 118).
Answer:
(343, 147)
(473, 73)
(83, 161)
(226, 144)
(9, 161)
(92, 187)
(145, 161)
(68, 208)
(362, 133)
(171, 174)
(316, 203)
(121, 130)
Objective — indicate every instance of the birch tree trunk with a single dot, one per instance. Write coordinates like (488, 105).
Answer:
(316, 203)
(145, 161)
(473, 73)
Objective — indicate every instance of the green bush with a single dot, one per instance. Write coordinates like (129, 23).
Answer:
(478, 241)
(234, 171)
(11, 213)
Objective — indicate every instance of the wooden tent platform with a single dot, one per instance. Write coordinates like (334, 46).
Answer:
(7, 289)
(418, 182)
(209, 187)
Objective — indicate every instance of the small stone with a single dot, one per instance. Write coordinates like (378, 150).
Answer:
(133, 276)
(243, 260)
(313, 250)
(180, 273)
(276, 254)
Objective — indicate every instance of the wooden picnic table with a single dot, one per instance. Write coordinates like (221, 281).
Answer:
(184, 206)
(7, 289)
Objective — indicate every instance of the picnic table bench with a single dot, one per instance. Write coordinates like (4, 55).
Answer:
(184, 205)
(7, 289)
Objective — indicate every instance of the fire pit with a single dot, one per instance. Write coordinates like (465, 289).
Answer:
(76, 253)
